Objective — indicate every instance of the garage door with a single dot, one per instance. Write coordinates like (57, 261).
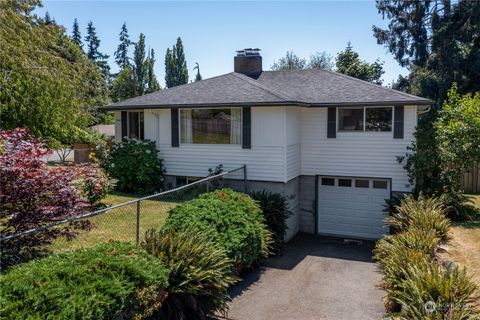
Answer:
(353, 207)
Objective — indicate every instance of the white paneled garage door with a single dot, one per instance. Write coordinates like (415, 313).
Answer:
(352, 207)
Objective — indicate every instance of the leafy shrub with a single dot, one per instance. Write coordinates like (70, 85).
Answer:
(199, 273)
(424, 213)
(33, 195)
(136, 166)
(233, 220)
(109, 281)
(275, 210)
(431, 291)
(95, 184)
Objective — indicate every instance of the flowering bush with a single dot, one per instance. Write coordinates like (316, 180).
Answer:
(136, 166)
(33, 195)
(94, 183)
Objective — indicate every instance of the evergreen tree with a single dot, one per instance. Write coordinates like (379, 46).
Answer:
(139, 66)
(76, 36)
(198, 76)
(121, 55)
(49, 20)
(176, 72)
(437, 40)
(348, 62)
(93, 53)
(152, 84)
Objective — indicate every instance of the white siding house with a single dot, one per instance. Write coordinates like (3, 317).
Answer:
(327, 141)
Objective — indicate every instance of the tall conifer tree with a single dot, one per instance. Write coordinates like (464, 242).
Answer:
(76, 36)
(93, 53)
(121, 55)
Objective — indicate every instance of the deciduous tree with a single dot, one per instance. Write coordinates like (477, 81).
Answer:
(348, 62)
(176, 72)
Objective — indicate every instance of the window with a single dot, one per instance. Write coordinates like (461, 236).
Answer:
(380, 184)
(211, 126)
(344, 182)
(350, 119)
(135, 125)
(328, 182)
(361, 183)
(181, 180)
(376, 119)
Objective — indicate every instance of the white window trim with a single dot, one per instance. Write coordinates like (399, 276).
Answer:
(364, 120)
(239, 145)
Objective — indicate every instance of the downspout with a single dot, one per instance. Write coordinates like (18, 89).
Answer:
(157, 117)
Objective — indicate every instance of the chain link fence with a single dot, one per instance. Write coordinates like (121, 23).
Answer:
(126, 219)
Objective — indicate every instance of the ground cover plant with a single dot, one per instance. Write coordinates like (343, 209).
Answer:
(234, 221)
(200, 273)
(109, 281)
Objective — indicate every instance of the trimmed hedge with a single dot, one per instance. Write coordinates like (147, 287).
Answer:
(200, 273)
(109, 281)
(418, 285)
(234, 221)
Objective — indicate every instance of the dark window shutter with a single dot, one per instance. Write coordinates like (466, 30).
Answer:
(247, 128)
(398, 124)
(175, 137)
(124, 124)
(332, 123)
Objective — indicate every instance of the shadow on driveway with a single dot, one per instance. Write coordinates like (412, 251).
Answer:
(316, 278)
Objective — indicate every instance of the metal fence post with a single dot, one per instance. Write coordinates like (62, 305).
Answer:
(245, 178)
(138, 222)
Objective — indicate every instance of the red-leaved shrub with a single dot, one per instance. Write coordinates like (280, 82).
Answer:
(33, 195)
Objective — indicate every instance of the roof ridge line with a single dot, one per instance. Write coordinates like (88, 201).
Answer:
(265, 88)
(371, 84)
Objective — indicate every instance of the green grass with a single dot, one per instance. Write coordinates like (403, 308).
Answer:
(119, 223)
(464, 246)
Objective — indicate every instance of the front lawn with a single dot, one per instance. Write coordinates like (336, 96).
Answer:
(464, 246)
(119, 223)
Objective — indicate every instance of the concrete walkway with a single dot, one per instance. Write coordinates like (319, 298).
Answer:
(316, 278)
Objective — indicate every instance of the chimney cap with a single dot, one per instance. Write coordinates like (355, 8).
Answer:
(248, 52)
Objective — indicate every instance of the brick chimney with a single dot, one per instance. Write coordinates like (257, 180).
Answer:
(249, 62)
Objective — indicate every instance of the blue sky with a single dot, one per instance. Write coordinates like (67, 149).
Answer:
(212, 31)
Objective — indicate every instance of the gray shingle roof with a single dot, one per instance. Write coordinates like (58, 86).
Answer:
(289, 87)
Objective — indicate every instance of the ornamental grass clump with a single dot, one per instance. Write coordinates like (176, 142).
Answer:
(431, 291)
(424, 213)
(275, 210)
(109, 281)
(232, 219)
(200, 273)
(418, 285)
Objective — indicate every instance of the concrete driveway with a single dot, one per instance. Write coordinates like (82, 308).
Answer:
(316, 278)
